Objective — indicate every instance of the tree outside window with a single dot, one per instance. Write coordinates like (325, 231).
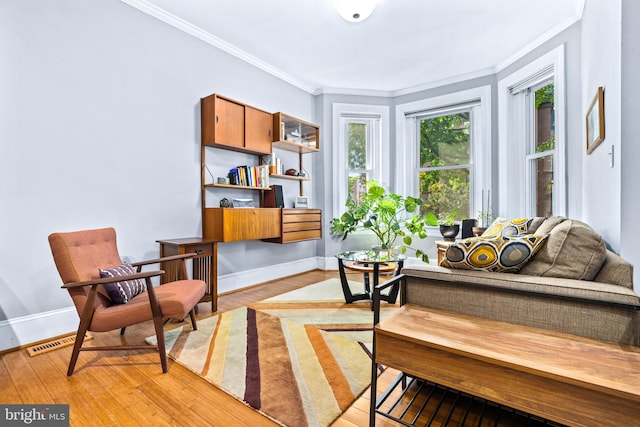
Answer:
(357, 160)
(445, 163)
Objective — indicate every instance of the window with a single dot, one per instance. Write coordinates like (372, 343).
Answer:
(540, 149)
(443, 151)
(361, 150)
(531, 139)
(445, 168)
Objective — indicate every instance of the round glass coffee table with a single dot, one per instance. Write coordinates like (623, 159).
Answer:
(369, 262)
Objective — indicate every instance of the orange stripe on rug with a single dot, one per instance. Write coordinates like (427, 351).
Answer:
(333, 372)
(275, 370)
(212, 344)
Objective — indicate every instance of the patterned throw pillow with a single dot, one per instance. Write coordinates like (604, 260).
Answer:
(508, 227)
(497, 253)
(122, 292)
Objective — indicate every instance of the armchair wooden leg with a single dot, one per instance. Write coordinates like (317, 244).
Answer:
(122, 331)
(76, 349)
(85, 321)
(192, 314)
(157, 322)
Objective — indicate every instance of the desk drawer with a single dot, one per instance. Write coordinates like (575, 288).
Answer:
(299, 225)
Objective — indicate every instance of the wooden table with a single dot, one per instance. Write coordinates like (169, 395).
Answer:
(564, 378)
(205, 263)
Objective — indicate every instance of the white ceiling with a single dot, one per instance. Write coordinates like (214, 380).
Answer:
(404, 45)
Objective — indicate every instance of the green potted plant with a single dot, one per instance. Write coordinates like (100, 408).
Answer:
(387, 216)
(449, 226)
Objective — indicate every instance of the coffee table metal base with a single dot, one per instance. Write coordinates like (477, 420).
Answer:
(374, 268)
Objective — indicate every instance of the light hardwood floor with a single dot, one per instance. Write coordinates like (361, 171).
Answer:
(128, 388)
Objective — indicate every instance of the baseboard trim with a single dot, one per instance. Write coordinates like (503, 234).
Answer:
(242, 279)
(21, 331)
(27, 330)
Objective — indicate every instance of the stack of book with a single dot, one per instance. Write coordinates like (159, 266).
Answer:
(250, 176)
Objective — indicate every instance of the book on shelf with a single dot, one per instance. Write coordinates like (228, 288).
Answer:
(250, 176)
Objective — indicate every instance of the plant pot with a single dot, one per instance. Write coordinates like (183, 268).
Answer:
(449, 232)
(477, 231)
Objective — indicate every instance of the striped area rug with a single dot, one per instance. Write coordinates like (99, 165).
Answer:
(300, 358)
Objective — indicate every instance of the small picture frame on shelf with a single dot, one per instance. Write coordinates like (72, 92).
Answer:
(301, 202)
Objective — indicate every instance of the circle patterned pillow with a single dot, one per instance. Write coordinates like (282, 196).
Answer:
(508, 227)
(507, 254)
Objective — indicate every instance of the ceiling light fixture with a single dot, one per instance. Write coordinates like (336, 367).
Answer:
(355, 10)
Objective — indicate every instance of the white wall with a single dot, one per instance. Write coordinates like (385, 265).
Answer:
(100, 126)
(629, 151)
(601, 61)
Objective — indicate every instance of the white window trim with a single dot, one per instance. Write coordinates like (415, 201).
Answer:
(380, 158)
(512, 184)
(406, 177)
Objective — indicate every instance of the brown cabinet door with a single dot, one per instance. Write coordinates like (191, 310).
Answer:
(229, 123)
(259, 130)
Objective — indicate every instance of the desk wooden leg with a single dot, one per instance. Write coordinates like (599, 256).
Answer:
(214, 278)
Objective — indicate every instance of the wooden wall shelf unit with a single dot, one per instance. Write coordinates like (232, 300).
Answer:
(231, 125)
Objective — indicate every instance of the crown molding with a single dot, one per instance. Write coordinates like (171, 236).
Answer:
(181, 24)
(545, 37)
(347, 91)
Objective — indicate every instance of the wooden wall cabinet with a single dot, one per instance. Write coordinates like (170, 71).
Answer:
(258, 130)
(233, 125)
(294, 134)
(298, 225)
(234, 224)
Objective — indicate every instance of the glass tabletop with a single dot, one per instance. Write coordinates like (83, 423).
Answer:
(372, 256)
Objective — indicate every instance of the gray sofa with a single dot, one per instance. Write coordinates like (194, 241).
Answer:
(573, 284)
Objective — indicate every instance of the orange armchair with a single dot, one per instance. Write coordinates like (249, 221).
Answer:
(80, 255)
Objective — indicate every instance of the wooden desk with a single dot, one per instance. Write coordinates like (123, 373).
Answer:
(205, 264)
(564, 378)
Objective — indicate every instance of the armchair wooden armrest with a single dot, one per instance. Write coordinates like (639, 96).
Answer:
(164, 259)
(107, 280)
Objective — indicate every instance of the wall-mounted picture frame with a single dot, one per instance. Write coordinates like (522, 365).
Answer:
(595, 121)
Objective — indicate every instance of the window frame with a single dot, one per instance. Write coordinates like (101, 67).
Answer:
(379, 116)
(515, 187)
(407, 147)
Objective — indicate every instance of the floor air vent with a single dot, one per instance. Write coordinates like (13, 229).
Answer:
(54, 345)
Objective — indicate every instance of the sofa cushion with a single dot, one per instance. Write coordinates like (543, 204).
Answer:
(615, 271)
(497, 253)
(573, 251)
(508, 227)
(122, 292)
(517, 282)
